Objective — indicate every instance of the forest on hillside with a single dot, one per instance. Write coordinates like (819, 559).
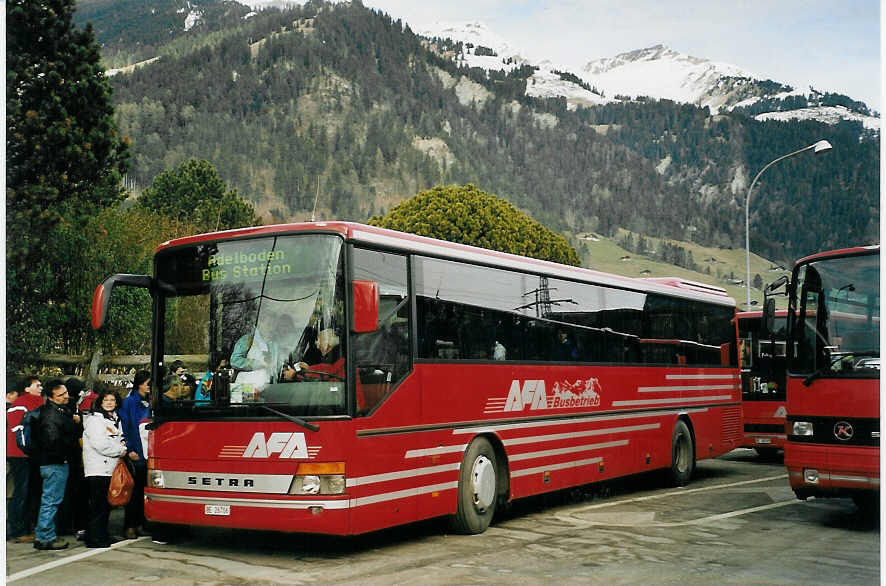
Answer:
(348, 103)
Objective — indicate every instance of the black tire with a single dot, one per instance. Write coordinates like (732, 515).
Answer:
(868, 504)
(167, 533)
(477, 489)
(682, 455)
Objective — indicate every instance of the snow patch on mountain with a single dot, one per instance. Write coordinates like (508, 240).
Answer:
(192, 19)
(543, 83)
(659, 72)
(826, 114)
(546, 83)
(477, 35)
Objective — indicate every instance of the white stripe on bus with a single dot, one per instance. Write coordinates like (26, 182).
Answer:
(576, 434)
(439, 450)
(560, 466)
(691, 388)
(250, 502)
(702, 376)
(569, 450)
(492, 428)
(671, 400)
(400, 494)
(363, 480)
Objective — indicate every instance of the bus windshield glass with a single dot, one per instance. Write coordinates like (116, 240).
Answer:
(252, 325)
(838, 331)
(762, 359)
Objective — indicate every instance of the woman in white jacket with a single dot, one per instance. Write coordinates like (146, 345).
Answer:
(102, 447)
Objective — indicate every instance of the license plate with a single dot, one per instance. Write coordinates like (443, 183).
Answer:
(763, 440)
(223, 510)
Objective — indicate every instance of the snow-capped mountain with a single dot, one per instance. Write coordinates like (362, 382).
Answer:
(658, 72)
(662, 73)
(483, 48)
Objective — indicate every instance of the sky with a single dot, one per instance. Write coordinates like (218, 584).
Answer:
(833, 46)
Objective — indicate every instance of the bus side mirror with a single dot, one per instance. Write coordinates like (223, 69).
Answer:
(101, 297)
(768, 316)
(775, 285)
(365, 306)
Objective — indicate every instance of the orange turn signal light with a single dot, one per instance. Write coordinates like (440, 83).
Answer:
(318, 468)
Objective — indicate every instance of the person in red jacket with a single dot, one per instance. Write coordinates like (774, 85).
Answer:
(330, 359)
(21, 513)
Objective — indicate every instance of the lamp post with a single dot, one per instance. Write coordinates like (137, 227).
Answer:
(817, 148)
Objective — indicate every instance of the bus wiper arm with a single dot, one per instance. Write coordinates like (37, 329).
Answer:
(817, 374)
(292, 418)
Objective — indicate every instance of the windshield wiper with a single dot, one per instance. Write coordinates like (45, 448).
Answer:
(292, 418)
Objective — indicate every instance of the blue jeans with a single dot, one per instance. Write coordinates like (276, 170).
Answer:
(55, 477)
(17, 508)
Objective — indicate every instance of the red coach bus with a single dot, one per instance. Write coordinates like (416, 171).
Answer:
(833, 398)
(360, 378)
(763, 389)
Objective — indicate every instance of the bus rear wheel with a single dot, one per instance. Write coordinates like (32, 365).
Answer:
(477, 489)
(682, 455)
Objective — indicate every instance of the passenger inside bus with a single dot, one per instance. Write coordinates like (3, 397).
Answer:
(330, 359)
(256, 355)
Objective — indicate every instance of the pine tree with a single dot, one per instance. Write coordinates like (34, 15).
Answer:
(64, 159)
(193, 192)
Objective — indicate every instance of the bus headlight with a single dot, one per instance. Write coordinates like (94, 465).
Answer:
(802, 428)
(156, 479)
(810, 475)
(319, 478)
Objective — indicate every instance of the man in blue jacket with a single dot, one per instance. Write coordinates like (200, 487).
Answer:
(134, 409)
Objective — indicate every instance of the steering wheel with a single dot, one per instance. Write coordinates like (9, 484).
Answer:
(317, 375)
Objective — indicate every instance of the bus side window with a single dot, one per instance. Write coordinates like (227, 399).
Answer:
(382, 356)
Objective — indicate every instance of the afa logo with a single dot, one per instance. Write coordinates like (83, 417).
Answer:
(532, 394)
(288, 445)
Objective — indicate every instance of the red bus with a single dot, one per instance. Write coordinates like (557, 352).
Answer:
(763, 389)
(833, 394)
(353, 378)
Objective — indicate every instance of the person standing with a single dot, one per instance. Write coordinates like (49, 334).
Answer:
(71, 518)
(21, 510)
(102, 447)
(58, 435)
(135, 408)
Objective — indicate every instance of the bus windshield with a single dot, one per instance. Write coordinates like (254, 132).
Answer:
(762, 357)
(252, 325)
(838, 331)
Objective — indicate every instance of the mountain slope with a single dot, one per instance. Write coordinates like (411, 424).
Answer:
(349, 104)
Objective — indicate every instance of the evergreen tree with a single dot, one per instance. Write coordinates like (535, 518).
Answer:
(193, 192)
(64, 158)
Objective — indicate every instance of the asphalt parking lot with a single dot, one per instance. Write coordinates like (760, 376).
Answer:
(736, 523)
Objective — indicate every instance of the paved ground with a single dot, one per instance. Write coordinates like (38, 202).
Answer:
(736, 523)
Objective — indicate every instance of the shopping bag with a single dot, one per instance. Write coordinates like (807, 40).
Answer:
(122, 482)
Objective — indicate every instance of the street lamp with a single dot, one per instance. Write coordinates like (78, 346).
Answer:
(817, 148)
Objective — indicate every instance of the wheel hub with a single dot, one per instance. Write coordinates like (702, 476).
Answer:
(483, 481)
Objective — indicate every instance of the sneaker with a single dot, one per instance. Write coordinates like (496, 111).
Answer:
(50, 545)
(140, 531)
(130, 533)
(24, 539)
(81, 535)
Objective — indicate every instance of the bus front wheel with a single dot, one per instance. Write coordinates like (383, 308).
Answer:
(477, 482)
(682, 455)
